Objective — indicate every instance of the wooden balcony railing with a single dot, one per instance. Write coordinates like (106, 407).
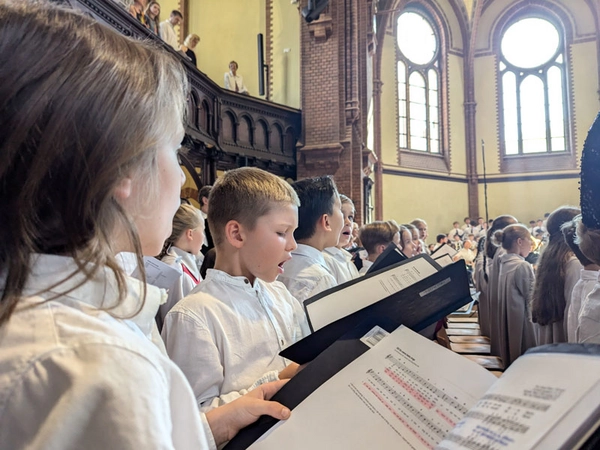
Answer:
(224, 129)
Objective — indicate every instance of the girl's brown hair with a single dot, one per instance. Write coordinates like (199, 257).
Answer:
(548, 298)
(147, 11)
(75, 122)
(377, 233)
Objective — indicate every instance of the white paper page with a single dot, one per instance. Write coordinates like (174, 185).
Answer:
(444, 260)
(527, 403)
(405, 393)
(160, 274)
(360, 295)
(444, 250)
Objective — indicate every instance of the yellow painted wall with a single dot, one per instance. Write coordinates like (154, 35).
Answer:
(486, 114)
(439, 203)
(286, 54)
(528, 200)
(228, 30)
(585, 87)
(389, 110)
(458, 156)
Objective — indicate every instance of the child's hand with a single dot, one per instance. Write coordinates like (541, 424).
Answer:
(225, 421)
(289, 371)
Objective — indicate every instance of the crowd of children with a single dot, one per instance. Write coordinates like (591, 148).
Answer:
(90, 170)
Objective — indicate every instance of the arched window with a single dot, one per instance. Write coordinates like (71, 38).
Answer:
(533, 82)
(418, 74)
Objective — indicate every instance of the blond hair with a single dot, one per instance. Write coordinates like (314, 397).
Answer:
(74, 124)
(186, 218)
(244, 195)
(190, 38)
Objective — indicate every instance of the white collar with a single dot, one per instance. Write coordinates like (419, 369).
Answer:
(181, 256)
(310, 252)
(99, 293)
(237, 281)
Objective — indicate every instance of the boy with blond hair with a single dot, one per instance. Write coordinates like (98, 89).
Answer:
(227, 334)
(320, 222)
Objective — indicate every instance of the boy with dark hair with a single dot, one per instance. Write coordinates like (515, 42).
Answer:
(440, 240)
(227, 334)
(320, 222)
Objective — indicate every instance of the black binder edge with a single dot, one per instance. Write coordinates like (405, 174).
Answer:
(347, 348)
(308, 348)
(341, 353)
(390, 256)
(347, 284)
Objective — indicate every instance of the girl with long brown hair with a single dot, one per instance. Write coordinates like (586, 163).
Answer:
(557, 273)
(88, 169)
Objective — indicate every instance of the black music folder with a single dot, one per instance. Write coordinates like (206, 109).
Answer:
(416, 306)
(390, 256)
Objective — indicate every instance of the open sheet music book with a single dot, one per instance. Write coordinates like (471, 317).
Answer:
(409, 392)
(443, 255)
(414, 293)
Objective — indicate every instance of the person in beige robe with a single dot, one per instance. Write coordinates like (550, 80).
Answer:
(515, 282)
(480, 282)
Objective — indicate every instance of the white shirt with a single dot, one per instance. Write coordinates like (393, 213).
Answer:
(176, 257)
(582, 288)
(588, 329)
(227, 334)
(340, 264)
(467, 254)
(453, 232)
(167, 34)
(306, 274)
(365, 267)
(74, 376)
(235, 81)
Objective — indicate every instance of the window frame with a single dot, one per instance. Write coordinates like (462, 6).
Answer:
(409, 157)
(548, 160)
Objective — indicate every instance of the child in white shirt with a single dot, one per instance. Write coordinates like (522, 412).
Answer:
(89, 170)
(180, 251)
(227, 334)
(320, 221)
(337, 258)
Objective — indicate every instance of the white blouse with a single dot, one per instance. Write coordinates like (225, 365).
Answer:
(73, 375)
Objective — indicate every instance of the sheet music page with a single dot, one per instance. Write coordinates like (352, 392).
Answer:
(444, 260)
(360, 295)
(160, 274)
(538, 396)
(444, 250)
(406, 392)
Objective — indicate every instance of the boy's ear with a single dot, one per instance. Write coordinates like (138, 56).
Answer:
(324, 222)
(235, 233)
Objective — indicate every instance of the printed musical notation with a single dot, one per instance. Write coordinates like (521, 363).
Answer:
(523, 408)
(405, 392)
(410, 401)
